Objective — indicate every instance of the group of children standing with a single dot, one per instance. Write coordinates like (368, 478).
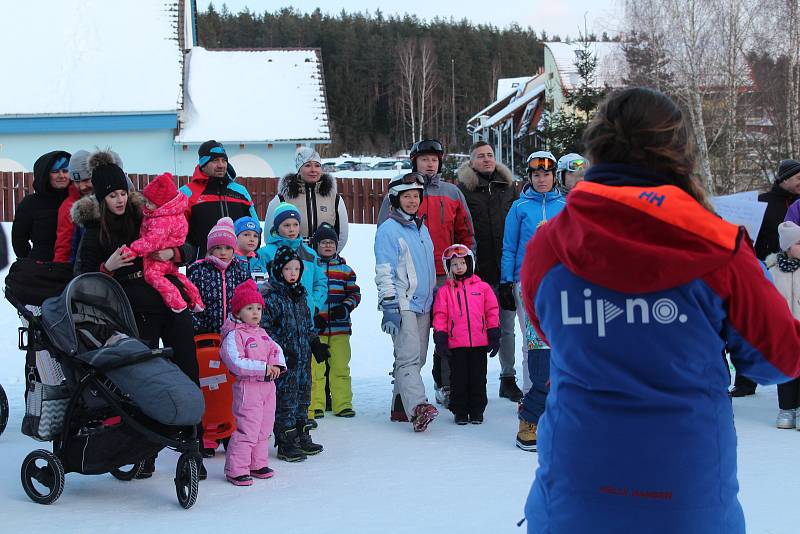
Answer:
(275, 307)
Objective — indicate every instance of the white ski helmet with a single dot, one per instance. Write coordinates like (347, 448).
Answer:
(458, 251)
(407, 182)
(570, 162)
(541, 159)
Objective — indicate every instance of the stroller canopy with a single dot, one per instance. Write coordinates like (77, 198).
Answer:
(92, 297)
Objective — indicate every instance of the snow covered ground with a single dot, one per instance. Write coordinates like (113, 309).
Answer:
(374, 475)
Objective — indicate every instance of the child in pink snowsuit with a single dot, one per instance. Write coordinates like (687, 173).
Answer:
(256, 360)
(164, 226)
(466, 325)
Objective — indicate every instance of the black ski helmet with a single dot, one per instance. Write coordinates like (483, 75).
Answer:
(427, 146)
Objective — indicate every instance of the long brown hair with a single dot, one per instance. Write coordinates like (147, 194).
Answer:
(118, 229)
(644, 127)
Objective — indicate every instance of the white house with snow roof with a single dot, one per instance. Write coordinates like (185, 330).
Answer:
(128, 75)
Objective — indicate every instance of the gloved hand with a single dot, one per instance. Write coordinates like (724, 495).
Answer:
(440, 340)
(339, 312)
(391, 317)
(506, 294)
(320, 350)
(494, 341)
(320, 323)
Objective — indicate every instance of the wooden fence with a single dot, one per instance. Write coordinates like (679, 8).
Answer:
(362, 196)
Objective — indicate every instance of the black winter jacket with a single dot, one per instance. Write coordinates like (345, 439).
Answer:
(489, 198)
(778, 201)
(36, 217)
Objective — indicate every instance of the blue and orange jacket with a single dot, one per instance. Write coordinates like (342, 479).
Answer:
(342, 290)
(640, 291)
(210, 199)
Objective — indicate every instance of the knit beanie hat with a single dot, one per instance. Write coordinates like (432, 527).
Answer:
(788, 234)
(305, 154)
(161, 190)
(787, 169)
(210, 150)
(245, 223)
(325, 231)
(283, 256)
(284, 211)
(79, 166)
(105, 167)
(221, 234)
(246, 293)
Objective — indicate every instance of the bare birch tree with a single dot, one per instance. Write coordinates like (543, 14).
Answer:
(408, 78)
(427, 81)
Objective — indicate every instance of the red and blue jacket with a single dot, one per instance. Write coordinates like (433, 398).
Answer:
(640, 290)
(210, 199)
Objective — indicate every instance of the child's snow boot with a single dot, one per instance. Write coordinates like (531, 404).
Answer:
(242, 480)
(308, 447)
(526, 437)
(462, 419)
(786, 419)
(476, 418)
(264, 472)
(288, 449)
(147, 469)
(424, 413)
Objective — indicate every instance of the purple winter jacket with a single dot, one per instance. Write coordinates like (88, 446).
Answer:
(247, 350)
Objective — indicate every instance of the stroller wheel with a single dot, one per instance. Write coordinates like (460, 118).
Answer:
(3, 409)
(42, 476)
(128, 474)
(186, 480)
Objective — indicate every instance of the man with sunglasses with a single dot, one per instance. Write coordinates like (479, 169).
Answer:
(213, 194)
(488, 187)
(446, 215)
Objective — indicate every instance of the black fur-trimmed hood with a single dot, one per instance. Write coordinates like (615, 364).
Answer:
(470, 178)
(291, 185)
(87, 209)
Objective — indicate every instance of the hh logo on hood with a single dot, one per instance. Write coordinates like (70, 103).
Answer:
(603, 311)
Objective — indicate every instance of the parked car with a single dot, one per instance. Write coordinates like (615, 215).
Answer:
(387, 165)
(347, 166)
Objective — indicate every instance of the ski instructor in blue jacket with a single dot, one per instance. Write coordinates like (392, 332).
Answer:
(639, 288)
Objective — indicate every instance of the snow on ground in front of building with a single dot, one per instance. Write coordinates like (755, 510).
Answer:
(374, 475)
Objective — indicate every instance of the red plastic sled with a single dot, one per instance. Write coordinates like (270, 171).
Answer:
(217, 385)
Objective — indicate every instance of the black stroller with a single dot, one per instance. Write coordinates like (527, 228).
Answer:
(105, 400)
(3, 409)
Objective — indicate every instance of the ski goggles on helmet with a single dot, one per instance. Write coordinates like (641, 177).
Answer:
(535, 164)
(427, 145)
(456, 251)
(412, 178)
(575, 165)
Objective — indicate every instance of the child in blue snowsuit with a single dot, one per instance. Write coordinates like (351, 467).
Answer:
(287, 320)
(285, 232)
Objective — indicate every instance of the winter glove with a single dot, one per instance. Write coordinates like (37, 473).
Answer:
(440, 340)
(320, 323)
(391, 317)
(339, 312)
(494, 341)
(320, 350)
(506, 294)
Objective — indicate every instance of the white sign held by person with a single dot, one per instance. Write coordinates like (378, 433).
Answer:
(742, 209)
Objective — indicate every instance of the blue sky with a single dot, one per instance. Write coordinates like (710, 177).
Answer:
(556, 16)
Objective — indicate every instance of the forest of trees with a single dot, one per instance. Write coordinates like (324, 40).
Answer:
(389, 80)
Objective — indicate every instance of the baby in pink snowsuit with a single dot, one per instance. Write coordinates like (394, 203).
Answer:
(164, 226)
(256, 360)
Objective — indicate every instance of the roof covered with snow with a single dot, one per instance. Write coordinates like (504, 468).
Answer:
(254, 96)
(611, 63)
(507, 85)
(90, 56)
